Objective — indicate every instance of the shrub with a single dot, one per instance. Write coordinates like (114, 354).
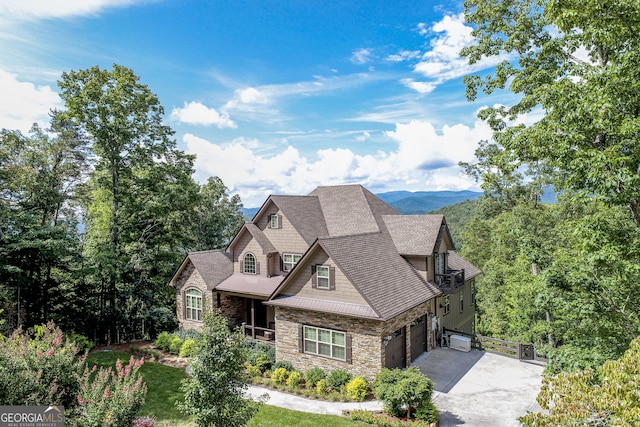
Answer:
(83, 343)
(337, 378)
(253, 371)
(176, 344)
(294, 379)
(280, 375)
(163, 342)
(188, 348)
(256, 348)
(144, 422)
(185, 334)
(357, 389)
(400, 389)
(160, 319)
(313, 376)
(263, 362)
(427, 412)
(282, 364)
(321, 387)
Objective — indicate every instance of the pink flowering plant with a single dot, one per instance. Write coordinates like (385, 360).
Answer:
(111, 397)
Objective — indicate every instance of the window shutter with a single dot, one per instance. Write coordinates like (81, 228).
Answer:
(314, 278)
(332, 278)
(184, 305)
(347, 349)
(279, 221)
(242, 266)
(257, 267)
(281, 262)
(300, 339)
(269, 221)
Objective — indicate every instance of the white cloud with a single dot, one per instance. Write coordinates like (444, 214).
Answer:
(361, 56)
(424, 159)
(196, 113)
(363, 136)
(420, 87)
(38, 9)
(422, 28)
(22, 103)
(403, 55)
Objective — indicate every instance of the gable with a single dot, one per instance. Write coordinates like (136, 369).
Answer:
(206, 267)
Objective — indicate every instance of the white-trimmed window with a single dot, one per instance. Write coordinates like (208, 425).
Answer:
(325, 342)
(193, 304)
(446, 304)
(289, 261)
(249, 264)
(323, 278)
(274, 221)
(461, 301)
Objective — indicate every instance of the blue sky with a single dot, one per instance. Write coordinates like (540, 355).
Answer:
(274, 97)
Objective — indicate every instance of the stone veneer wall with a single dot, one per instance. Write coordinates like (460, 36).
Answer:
(367, 350)
(190, 278)
(232, 308)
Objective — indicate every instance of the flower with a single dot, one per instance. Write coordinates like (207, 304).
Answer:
(50, 352)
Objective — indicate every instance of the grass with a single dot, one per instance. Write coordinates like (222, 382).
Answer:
(163, 390)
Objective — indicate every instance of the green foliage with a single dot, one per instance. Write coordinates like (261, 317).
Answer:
(188, 348)
(253, 371)
(256, 348)
(457, 216)
(280, 375)
(160, 319)
(385, 420)
(176, 345)
(357, 389)
(427, 412)
(294, 379)
(608, 397)
(402, 390)
(314, 375)
(83, 343)
(337, 378)
(163, 342)
(215, 392)
(322, 387)
(111, 397)
(282, 364)
(263, 362)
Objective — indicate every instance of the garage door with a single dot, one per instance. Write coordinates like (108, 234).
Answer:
(418, 337)
(394, 351)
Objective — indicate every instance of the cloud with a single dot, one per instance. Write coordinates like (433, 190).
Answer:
(363, 136)
(38, 9)
(441, 61)
(195, 113)
(361, 56)
(22, 103)
(403, 55)
(422, 159)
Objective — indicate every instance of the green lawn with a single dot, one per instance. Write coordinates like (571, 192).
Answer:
(163, 384)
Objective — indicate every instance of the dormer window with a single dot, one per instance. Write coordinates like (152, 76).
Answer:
(249, 264)
(289, 261)
(275, 221)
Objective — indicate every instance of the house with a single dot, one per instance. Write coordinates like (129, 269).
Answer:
(336, 279)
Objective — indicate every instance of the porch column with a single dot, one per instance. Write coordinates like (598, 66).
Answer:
(253, 319)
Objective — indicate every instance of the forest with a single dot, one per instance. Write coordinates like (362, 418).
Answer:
(97, 212)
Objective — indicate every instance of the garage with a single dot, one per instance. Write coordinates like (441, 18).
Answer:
(395, 350)
(418, 337)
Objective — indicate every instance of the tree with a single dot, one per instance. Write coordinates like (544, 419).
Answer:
(577, 62)
(218, 217)
(402, 391)
(138, 196)
(608, 396)
(214, 393)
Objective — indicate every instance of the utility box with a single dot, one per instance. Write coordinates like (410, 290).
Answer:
(460, 343)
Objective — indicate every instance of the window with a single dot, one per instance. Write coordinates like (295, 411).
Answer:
(193, 304)
(274, 221)
(249, 264)
(289, 260)
(461, 301)
(440, 262)
(325, 342)
(446, 304)
(322, 277)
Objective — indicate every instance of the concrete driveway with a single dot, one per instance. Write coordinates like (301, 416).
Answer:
(478, 389)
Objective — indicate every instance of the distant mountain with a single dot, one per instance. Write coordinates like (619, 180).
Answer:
(420, 202)
(407, 202)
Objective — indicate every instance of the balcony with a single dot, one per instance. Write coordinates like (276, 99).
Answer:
(450, 281)
(259, 333)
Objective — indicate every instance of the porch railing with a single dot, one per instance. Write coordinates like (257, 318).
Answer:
(450, 281)
(259, 333)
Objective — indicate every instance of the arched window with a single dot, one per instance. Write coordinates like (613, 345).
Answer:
(249, 264)
(193, 305)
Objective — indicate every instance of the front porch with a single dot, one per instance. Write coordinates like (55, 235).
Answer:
(259, 321)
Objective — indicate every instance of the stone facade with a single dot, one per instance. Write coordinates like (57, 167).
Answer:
(367, 348)
(190, 279)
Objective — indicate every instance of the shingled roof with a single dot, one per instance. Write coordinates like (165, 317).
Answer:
(414, 234)
(214, 266)
(456, 262)
(261, 238)
(305, 215)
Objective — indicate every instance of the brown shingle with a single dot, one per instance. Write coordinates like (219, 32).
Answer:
(414, 234)
(249, 284)
(214, 266)
(263, 241)
(324, 306)
(304, 214)
(456, 262)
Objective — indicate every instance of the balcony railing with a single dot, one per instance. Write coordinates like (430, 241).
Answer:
(259, 333)
(450, 281)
